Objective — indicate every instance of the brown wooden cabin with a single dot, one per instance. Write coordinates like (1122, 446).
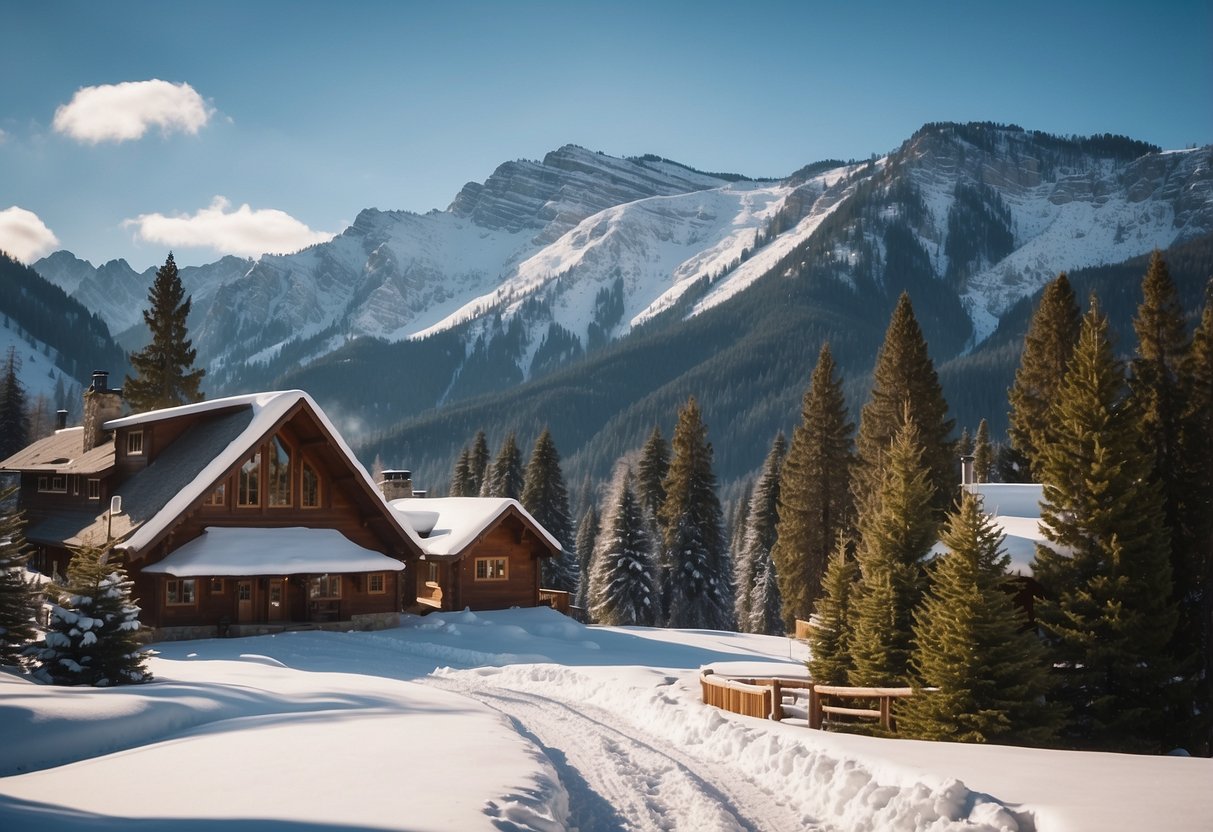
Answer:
(477, 552)
(266, 461)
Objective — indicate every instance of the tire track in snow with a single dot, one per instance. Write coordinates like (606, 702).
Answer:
(619, 779)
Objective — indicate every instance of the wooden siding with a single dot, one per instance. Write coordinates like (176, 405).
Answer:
(521, 587)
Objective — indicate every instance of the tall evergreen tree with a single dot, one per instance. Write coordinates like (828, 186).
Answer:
(897, 529)
(478, 464)
(164, 369)
(964, 445)
(988, 674)
(14, 417)
(1161, 388)
(983, 453)
(587, 539)
(814, 504)
(1105, 569)
(544, 495)
(623, 579)
(651, 471)
(92, 638)
(755, 553)
(700, 576)
(461, 477)
(1047, 348)
(766, 605)
(904, 385)
(830, 636)
(505, 478)
(19, 596)
(743, 573)
(1196, 520)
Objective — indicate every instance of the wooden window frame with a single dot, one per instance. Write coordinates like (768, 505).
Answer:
(217, 498)
(184, 587)
(491, 564)
(304, 467)
(134, 443)
(94, 489)
(318, 584)
(371, 580)
(217, 586)
(270, 485)
(253, 473)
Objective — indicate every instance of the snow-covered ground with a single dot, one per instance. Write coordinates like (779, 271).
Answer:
(521, 719)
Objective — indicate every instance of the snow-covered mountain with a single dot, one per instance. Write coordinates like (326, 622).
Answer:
(582, 248)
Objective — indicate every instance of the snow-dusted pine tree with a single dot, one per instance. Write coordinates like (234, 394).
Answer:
(479, 461)
(19, 596)
(587, 538)
(623, 586)
(92, 637)
(743, 573)
(461, 477)
(760, 587)
(830, 636)
(700, 576)
(544, 495)
(505, 478)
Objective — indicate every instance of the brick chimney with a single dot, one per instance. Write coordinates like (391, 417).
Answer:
(100, 405)
(396, 485)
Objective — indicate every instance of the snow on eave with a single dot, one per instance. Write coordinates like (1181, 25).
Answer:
(245, 551)
(269, 410)
(463, 520)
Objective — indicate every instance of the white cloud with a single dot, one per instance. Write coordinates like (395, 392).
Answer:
(24, 236)
(3, 137)
(242, 231)
(123, 112)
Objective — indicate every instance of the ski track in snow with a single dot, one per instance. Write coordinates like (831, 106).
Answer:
(618, 778)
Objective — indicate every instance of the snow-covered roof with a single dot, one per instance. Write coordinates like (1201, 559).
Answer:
(62, 453)
(255, 551)
(254, 400)
(1015, 510)
(461, 520)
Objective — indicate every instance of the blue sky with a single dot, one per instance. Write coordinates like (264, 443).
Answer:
(308, 112)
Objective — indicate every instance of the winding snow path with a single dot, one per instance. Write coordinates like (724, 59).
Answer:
(618, 778)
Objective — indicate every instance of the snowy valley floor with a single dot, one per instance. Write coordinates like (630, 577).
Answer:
(522, 720)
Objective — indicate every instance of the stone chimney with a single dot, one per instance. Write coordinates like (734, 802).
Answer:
(396, 485)
(100, 405)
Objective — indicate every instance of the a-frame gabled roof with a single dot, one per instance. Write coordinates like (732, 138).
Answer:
(462, 521)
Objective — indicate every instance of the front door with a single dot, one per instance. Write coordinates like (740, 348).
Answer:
(244, 601)
(277, 599)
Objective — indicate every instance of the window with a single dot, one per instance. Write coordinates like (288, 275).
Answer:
(249, 493)
(216, 586)
(431, 574)
(311, 487)
(278, 473)
(375, 584)
(54, 483)
(75, 486)
(134, 443)
(324, 586)
(218, 497)
(44, 483)
(94, 489)
(179, 592)
(492, 569)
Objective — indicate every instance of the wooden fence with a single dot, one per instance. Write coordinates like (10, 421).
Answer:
(764, 698)
(555, 598)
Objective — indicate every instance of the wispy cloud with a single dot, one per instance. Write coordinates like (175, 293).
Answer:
(242, 231)
(124, 112)
(24, 235)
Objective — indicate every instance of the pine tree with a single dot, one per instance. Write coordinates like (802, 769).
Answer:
(164, 374)
(623, 579)
(983, 453)
(19, 596)
(478, 464)
(461, 477)
(1196, 440)
(756, 551)
(897, 529)
(505, 478)
(814, 495)
(1047, 347)
(700, 576)
(587, 538)
(544, 495)
(651, 471)
(989, 675)
(743, 572)
(766, 605)
(830, 636)
(14, 418)
(1105, 569)
(964, 445)
(904, 386)
(92, 637)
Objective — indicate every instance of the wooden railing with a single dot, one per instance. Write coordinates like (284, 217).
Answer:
(764, 698)
(555, 598)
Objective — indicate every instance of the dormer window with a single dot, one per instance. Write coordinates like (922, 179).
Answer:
(134, 443)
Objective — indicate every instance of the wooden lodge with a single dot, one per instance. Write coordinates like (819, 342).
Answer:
(250, 514)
